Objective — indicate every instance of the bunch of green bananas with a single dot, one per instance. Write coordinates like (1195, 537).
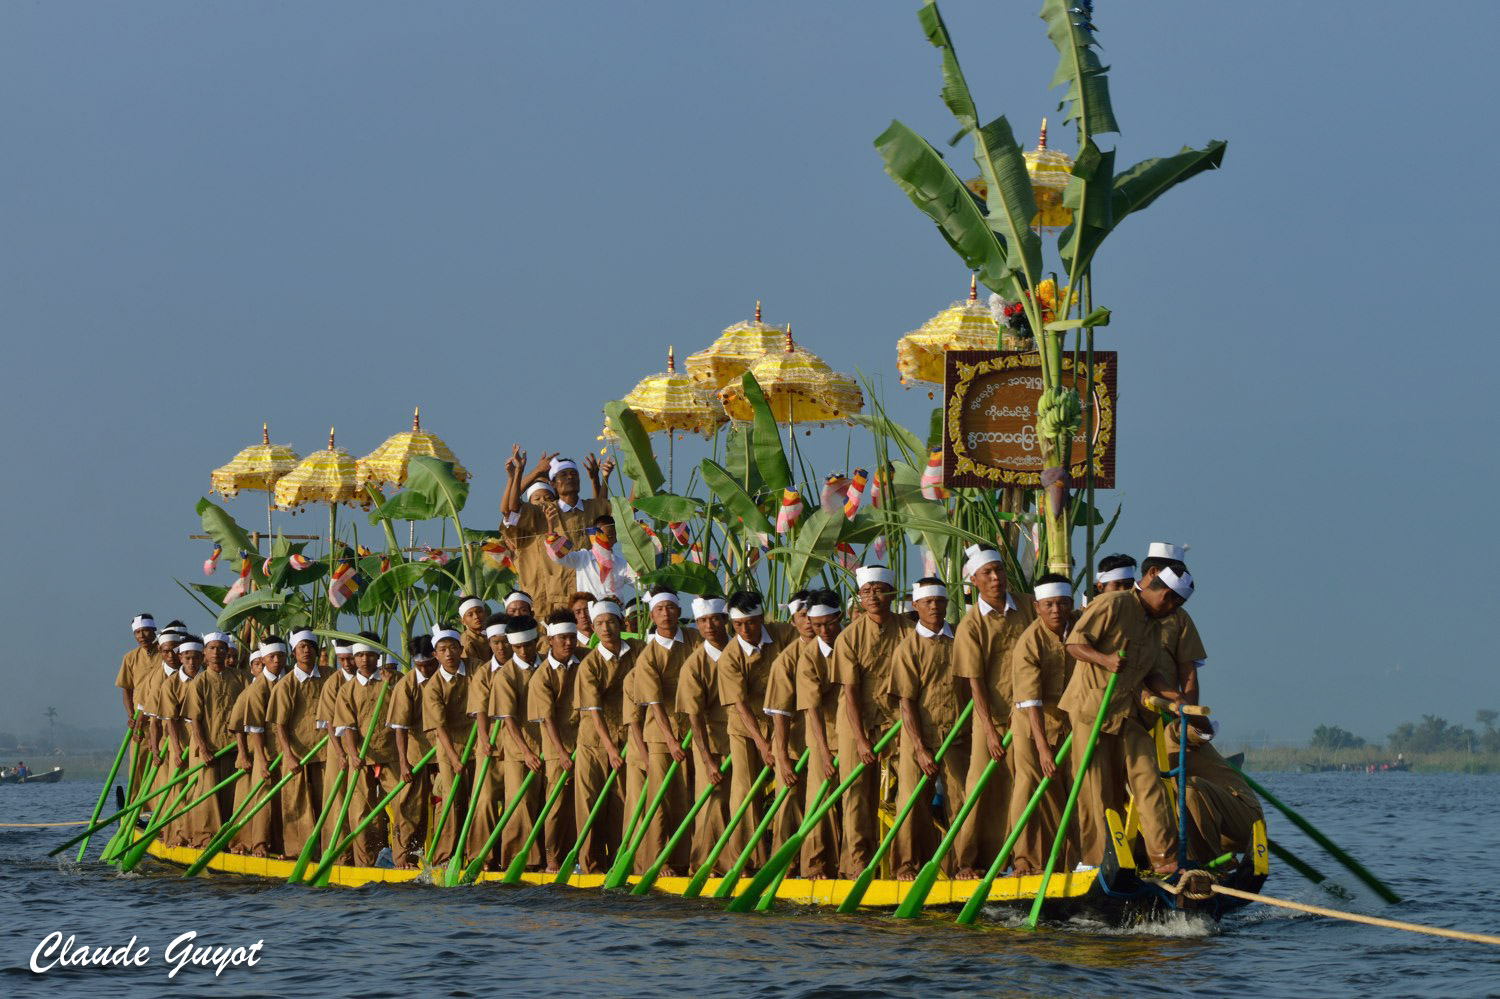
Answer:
(1060, 411)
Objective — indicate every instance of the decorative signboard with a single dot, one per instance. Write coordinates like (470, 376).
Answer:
(989, 419)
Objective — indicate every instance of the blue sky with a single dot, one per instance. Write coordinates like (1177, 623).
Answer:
(216, 214)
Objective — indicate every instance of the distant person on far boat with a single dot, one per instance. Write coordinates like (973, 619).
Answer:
(1179, 635)
(22, 770)
(1120, 633)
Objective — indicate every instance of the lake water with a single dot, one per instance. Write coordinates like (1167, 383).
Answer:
(1434, 838)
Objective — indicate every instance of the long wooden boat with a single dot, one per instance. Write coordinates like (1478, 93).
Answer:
(52, 776)
(1114, 893)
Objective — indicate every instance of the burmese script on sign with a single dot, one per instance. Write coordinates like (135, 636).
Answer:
(999, 426)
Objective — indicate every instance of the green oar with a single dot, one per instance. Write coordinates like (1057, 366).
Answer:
(1295, 862)
(862, 883)
(132, 806)
(364, 748)
(477, 864)
(305, 854)
(517, 865)
(565, 869)
(104, 791)
(649, 878)
(776, 803)
(215, 842)
(1353, 866)
(228, 831)
(981, 892)
(463, 760)
(1067, 815)
(155, 760)
(769, 874)
(621, 868)
(320, 874)
(129, 852)
(630, 830)
(456, 862)
(136, 850)
(727, 882)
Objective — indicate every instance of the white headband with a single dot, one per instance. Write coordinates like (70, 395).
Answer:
(493, 630)
(822, 610)
(254, 655)
(707, 607)
(663, 598)
(143, 621)
(231, 641)
(190, 647)
(598, 607)
(536, 487)
(979, 560)
(1182, 584)
(741, 615)
(439, 634)
(216, 636)
(522, 637)
(1165, 549)
(1124, 572)
(793, 606)
(359, 647)
(518, 595)
(1047, 591)
(930, 590)
(566, 628)
(469, 605)
(305, 635)
(874, 574)
(274, 647)
(560, 465)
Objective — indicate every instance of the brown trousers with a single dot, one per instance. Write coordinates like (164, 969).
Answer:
(487, 806)
(820, 850)
(746, 765)
(524, 816)
(301, 803)
(590, 773)
(560, 829)
(788, 820)
(1123, 759)
(440, 850)
(200, 825)
(988, 824)
(712, 819)
(262, 833)
(369, 788)
(1034, 844)
(1221, 819)
(917, 839)
(674, 808)
(411, 807)
(861, 824)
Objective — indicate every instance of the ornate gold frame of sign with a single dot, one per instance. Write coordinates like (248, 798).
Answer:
(989, 419)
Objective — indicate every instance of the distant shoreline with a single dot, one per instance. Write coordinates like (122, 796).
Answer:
(1294, 760)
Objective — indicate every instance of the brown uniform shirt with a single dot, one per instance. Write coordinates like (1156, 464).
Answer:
(816, 686)
(406, 712)
(481, 693)
(294, 703)
(328, 699)
(922, 669)
(135, 667)
(354, 709)
(1040, 669)
(1115, 621)
(698, 691)
(510, 698)
(781, 690)
(550, 582)
(476, 650)
(210, 703)
(981, 651)
(743, 676)
(255, 714)
(601, 687)
(658, 673)
(1183, 644)
(862, 660)
(551, 693)
(445, 705)
(159, 687)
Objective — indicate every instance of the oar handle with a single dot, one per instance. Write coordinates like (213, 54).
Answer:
(108, 781)
(518, 862)
(649, 878)
(565, 869)
(621, 869)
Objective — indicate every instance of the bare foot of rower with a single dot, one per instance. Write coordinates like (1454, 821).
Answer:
(967, 874)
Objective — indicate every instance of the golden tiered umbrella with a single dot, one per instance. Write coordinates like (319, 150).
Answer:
(962, 326)
(798, 386)
(1049, 170)
(256, 467)
(386, 465)
(327, 476)
(733, 352)
(670, 401)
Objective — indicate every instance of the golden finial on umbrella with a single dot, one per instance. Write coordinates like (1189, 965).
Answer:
(1049, 170)
(732, 353)
(387, 464)
(256, 467)
(327, 476)
(966, 325)
(798, 386)
(670, 401)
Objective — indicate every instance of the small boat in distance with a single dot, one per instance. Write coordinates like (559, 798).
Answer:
(46, 777)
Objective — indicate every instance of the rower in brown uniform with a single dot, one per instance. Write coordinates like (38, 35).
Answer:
(788, 725)
(552, 706)
(412, 744)
(658, 671)
(601, 731)
(491, 794)
(293, 716)
(206, 710)
(372, 773)
(509, 694)
(698, 701)
(818, 699)
(135, 669)
(445, 715)
(260, 836)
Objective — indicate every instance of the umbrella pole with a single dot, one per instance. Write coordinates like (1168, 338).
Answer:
(671, 450)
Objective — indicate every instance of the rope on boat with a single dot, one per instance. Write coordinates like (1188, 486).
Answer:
(1195, 885)
(1392, 924)
(37, 825)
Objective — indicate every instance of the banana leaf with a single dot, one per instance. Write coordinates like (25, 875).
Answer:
(670, 507)
(741, 513)
(1148, 180)
(866, 526)
(770, 459)
(909, 443)
(812, 547)
(1079, 67)
(955, 88)
(930, 183)
(433, 480)
(738, 460)
(283, 576)
(1089, 194)
(636, 458)
(639, 551)
(383, 587)
(260, 600)
(213, 593)
(689, 576)
(229, 535)
(935, 429)
(402, 506)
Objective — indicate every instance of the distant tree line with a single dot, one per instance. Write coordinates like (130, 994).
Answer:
(1430, 735)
